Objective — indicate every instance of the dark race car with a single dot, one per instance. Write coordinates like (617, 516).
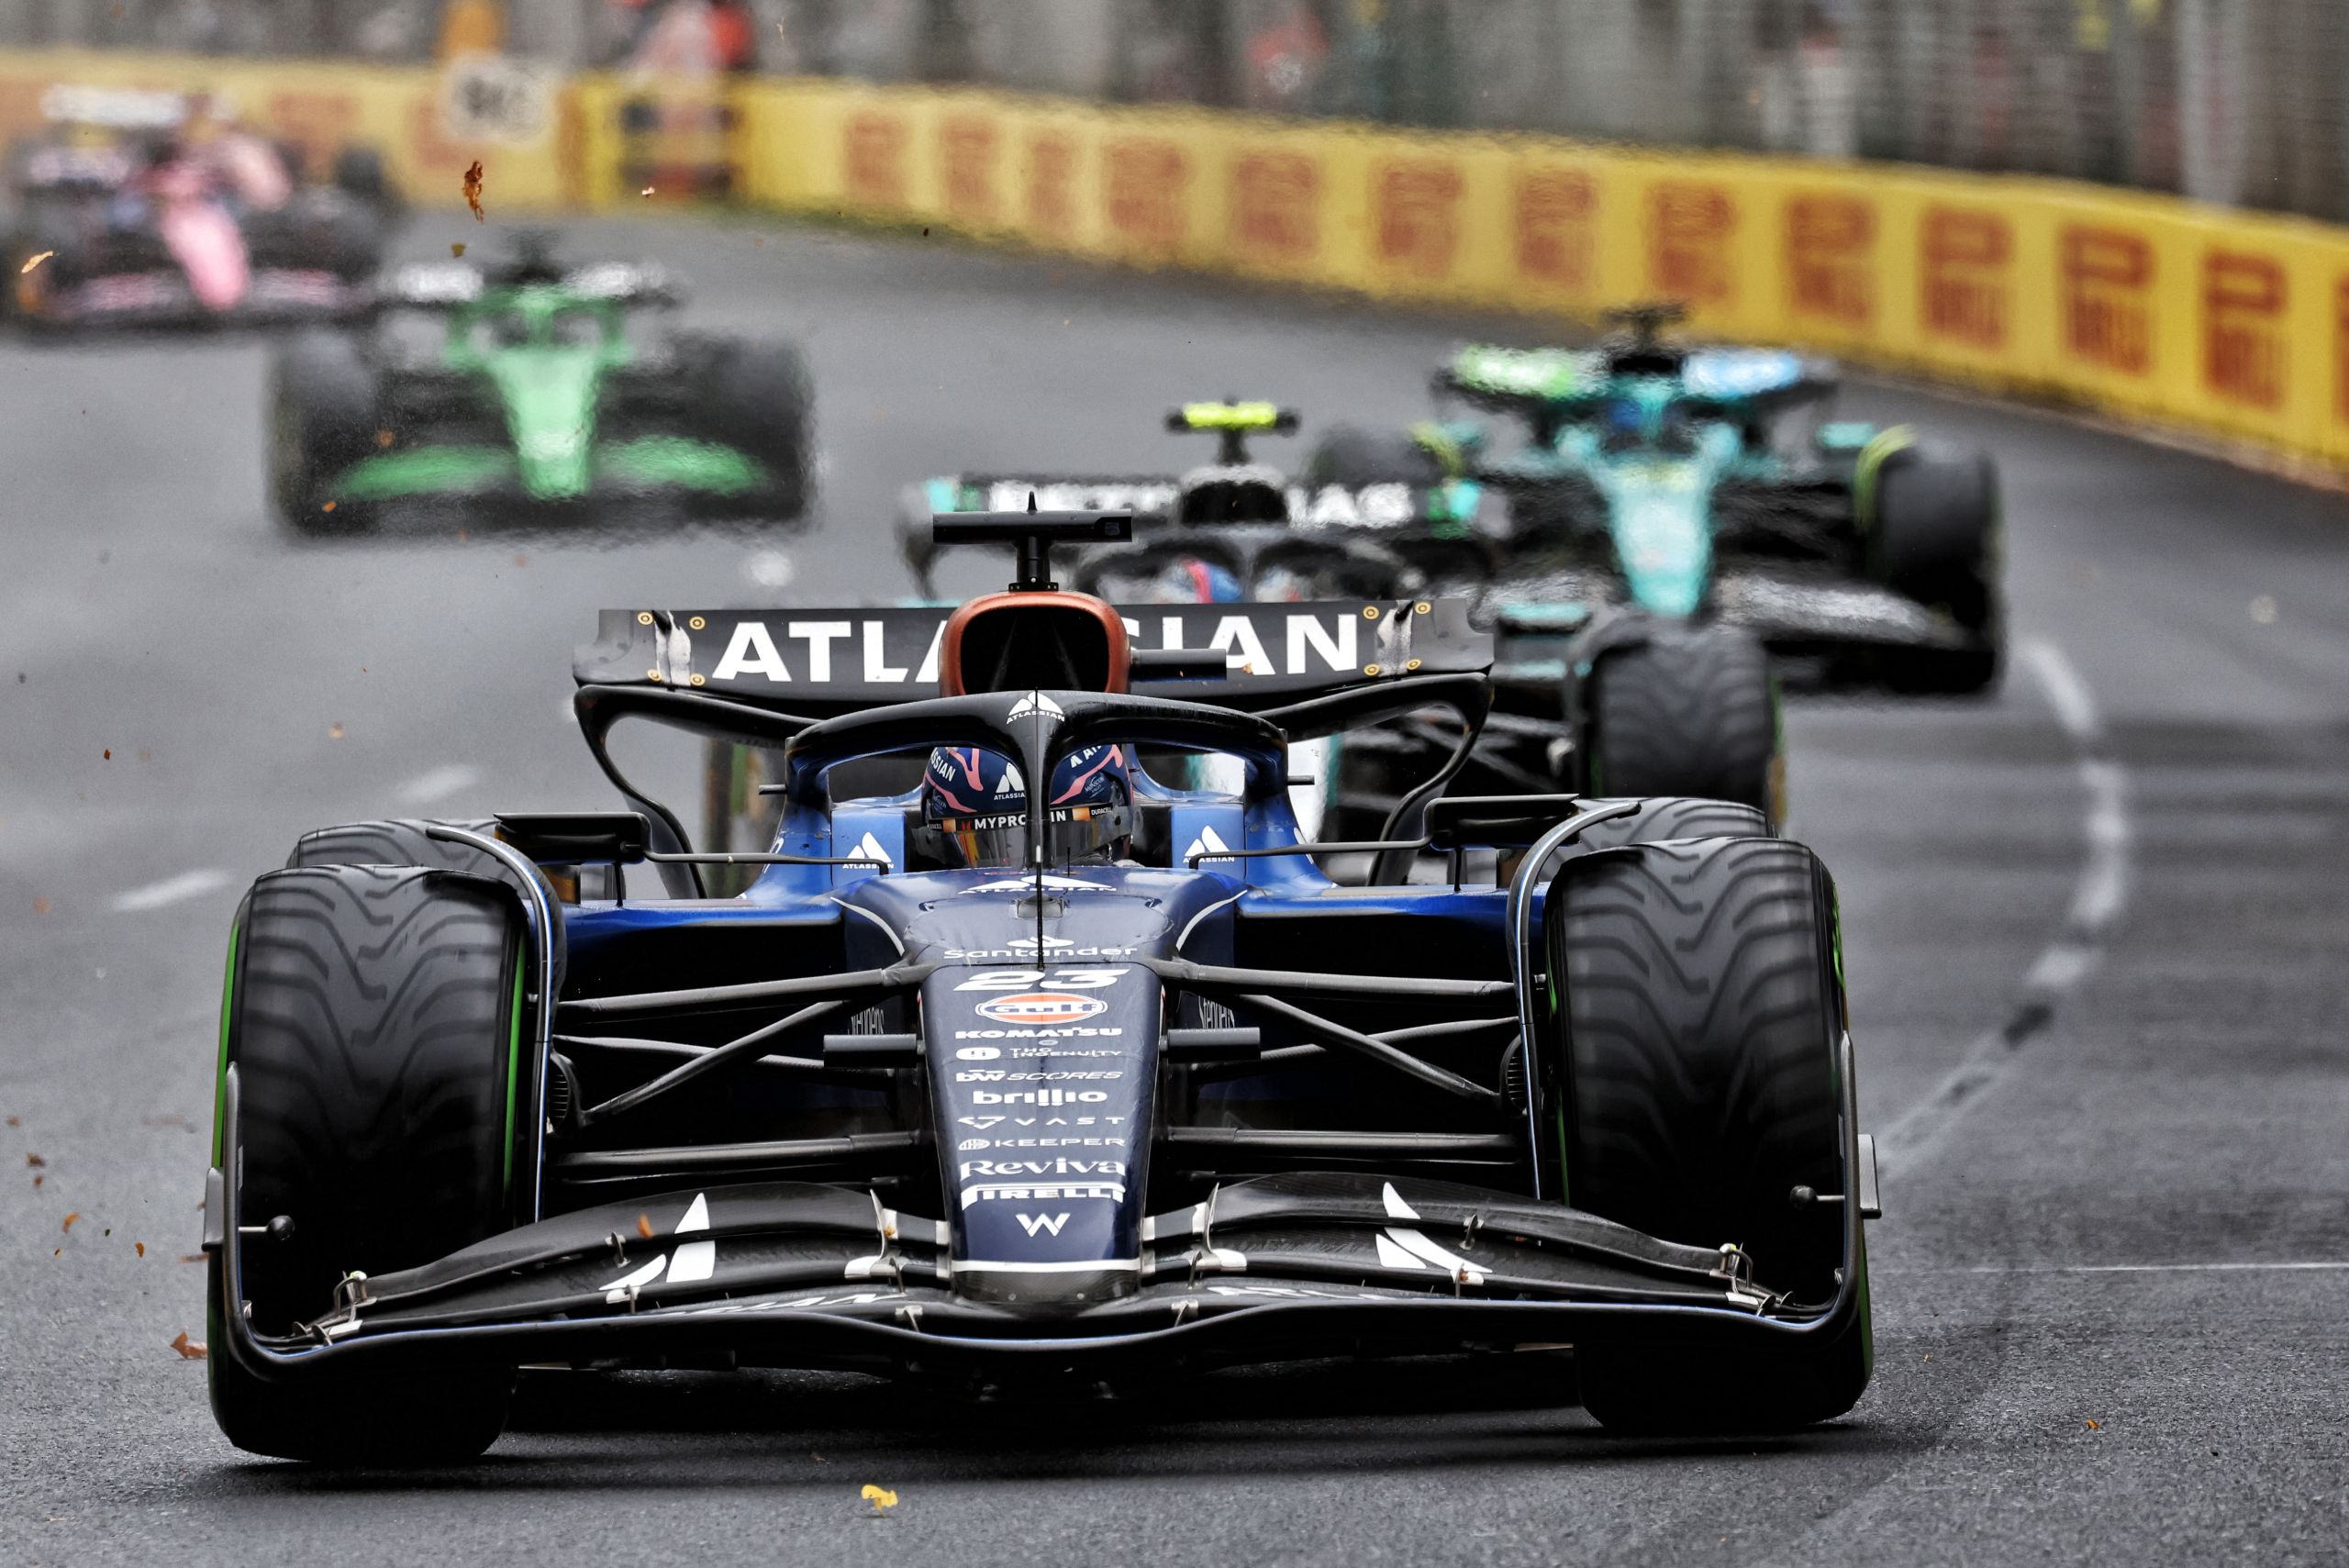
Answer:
(1042, 1074)
(536, 389)
(1689, 712)
(146, 209)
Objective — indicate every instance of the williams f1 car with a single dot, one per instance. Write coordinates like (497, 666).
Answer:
(142, 209)
(1042, 1074)
(535, 389)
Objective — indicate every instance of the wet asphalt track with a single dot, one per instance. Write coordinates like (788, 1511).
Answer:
(2096, 930)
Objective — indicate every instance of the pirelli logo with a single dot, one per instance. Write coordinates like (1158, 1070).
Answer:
(1050, 183)
(1276, 205)
(873, 159)
(1968, 276)
(1416, 207)
(1690, 231)
(2108, 298)
(1556, 217)
(1144, 181)
(967, 150)
(1831, 258)
(2244, 347)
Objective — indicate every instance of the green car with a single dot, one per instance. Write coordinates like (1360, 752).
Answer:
(1679, 529)
(534, 390)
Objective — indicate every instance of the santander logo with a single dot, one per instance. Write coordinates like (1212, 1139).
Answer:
(1041, 1007)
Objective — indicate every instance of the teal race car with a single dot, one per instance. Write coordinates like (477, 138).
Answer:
(1682, 528)
(535, 391)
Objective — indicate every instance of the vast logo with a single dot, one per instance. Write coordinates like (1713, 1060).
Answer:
(1041, 1007)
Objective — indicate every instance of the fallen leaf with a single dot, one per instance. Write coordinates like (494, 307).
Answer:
(36, 260)
(334, 731)
(818, 1457)
(881, 1497)
(328, 507)
(189, 1350)
(107, 755)
(38, 1181)
(41, 906)
(644, 1226)
(2094, 1428)
(35, 1160)
(140, 1247)
(70, 1218)
(458, 249)
(472, 190)
(384, 439)
(191, 1257)
(57, 1252)
(16, 1121)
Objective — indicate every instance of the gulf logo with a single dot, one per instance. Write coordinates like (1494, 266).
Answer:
(1041, 1007)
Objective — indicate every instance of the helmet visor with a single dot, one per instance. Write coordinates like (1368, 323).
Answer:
(1073, 835)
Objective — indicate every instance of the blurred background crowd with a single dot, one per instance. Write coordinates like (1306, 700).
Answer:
(2235, 101)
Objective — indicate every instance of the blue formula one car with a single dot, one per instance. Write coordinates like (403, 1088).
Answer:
(1042, 1073)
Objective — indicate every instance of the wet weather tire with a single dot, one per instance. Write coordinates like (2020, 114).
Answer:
(1689, 711)
(372, 1019)
(325, 401)
(1695, 1086)
(1349, 457)
(759, 399)
(1934, 537)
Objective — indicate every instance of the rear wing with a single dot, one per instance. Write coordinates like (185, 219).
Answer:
(1549, 385)
(820, 662)
(115, 108)
(430, 285)
(1155, 500)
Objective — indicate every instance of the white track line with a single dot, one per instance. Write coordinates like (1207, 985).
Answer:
(2098, 896)
(2300, 1268)
(171, 890)
(440, 782)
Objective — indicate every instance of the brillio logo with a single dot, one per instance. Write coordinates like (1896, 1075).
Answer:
(1042, 1007)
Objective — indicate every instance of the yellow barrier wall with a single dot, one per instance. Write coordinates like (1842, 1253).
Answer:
(2233, 324)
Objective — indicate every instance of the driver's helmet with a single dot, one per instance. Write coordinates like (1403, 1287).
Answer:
(974, 809)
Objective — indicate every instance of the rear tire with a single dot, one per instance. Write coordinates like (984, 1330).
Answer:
(1351, 456)
(371, 1018)
(1934, 537)
(325, 403)
(1693, 710)
(758, 398)
(1697, 1085)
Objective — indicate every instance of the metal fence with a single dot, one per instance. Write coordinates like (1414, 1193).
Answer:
(2241, 102)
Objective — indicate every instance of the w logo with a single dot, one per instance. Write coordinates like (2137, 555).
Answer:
(1032, 1223)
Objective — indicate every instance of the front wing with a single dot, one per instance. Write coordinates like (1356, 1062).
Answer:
(810, 1275)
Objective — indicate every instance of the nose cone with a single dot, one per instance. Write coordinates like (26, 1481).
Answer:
(550, 396)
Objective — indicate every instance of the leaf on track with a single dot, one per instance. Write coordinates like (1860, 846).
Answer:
(472, 190)
(142, 1248)
(190, 1349)
(70, 1218)
(644, 1226)
(881, 1497)
(35, 1161)
(458, 250)
(2094, 1426)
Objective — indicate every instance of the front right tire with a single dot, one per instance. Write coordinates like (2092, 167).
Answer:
(1695, 1084)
